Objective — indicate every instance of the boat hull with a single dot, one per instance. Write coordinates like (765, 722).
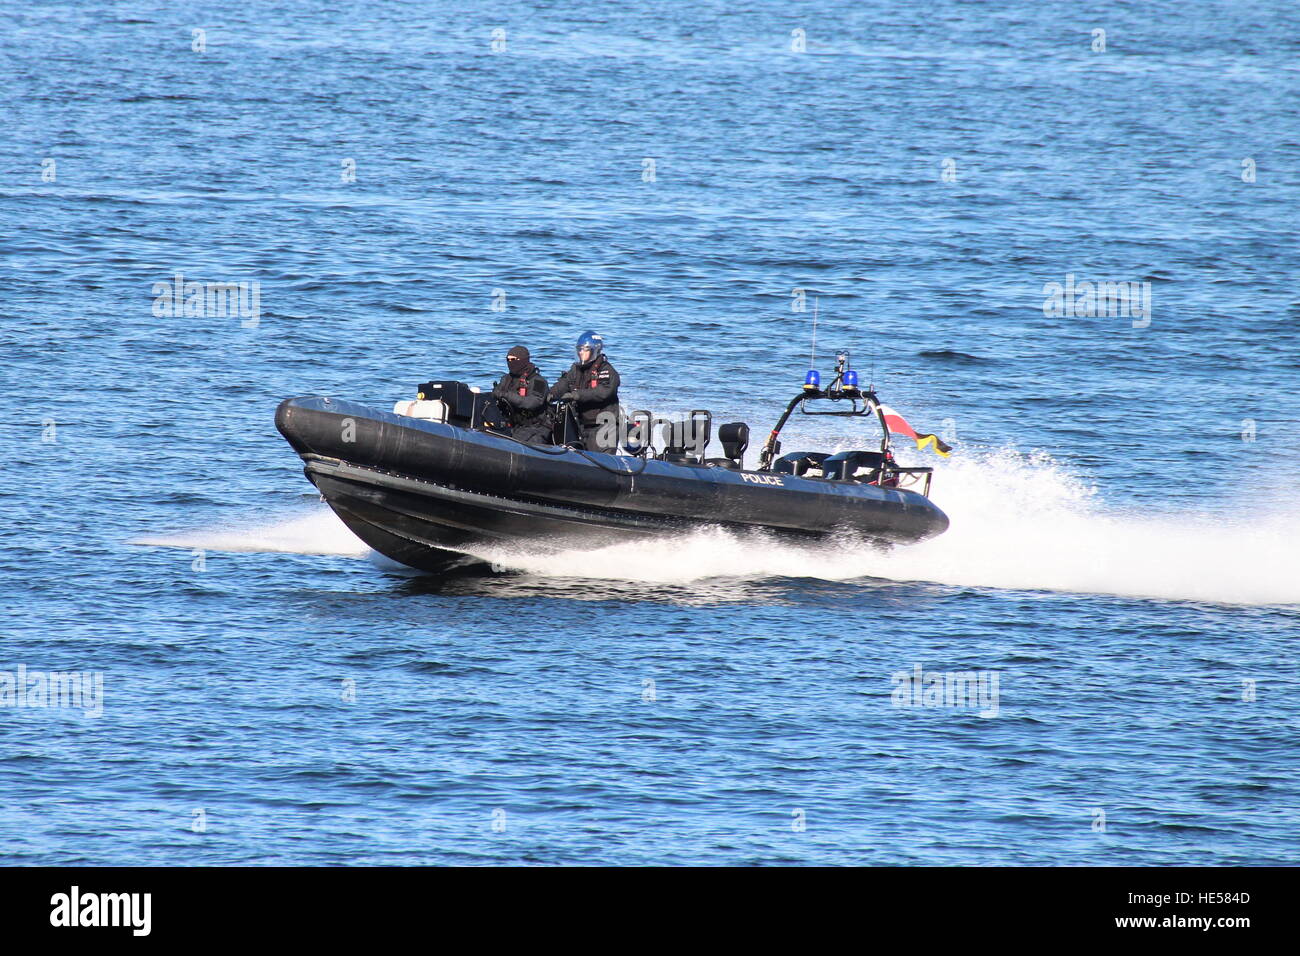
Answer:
(436, 497)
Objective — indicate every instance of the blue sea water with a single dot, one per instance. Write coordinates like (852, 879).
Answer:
(1125, 546)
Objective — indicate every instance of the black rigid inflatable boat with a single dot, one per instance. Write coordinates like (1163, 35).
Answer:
(433, 492)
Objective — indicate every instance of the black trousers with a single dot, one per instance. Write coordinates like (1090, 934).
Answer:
(590, 442)
(536, 433)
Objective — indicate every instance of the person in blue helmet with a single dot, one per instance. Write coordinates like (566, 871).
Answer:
(591, 385)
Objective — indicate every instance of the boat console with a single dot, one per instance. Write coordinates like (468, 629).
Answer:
(451, 403)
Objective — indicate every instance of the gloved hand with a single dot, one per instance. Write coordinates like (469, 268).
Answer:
(569, 397)
(511, 398)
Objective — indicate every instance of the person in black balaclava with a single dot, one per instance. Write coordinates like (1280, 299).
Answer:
(592, 386)
(521, 393)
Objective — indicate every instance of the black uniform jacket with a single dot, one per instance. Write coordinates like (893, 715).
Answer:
(597, 388)
(522, 397)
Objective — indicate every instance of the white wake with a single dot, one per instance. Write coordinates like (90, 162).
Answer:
(1018, 522)
(318, 532)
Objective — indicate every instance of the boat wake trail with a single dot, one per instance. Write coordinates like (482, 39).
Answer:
(317, 532)
(1022, 522)
(1019, 522)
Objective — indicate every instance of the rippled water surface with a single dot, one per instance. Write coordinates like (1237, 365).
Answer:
(1124, 554)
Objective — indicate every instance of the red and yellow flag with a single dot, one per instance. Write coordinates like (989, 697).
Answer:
(897, 424)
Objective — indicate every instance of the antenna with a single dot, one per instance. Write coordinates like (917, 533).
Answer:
(812, 363)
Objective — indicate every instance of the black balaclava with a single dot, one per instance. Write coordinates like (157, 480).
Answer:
(517, 360)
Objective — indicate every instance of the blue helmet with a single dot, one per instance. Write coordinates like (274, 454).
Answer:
(593, 341)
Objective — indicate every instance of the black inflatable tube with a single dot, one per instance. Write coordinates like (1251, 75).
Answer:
(413, 484)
